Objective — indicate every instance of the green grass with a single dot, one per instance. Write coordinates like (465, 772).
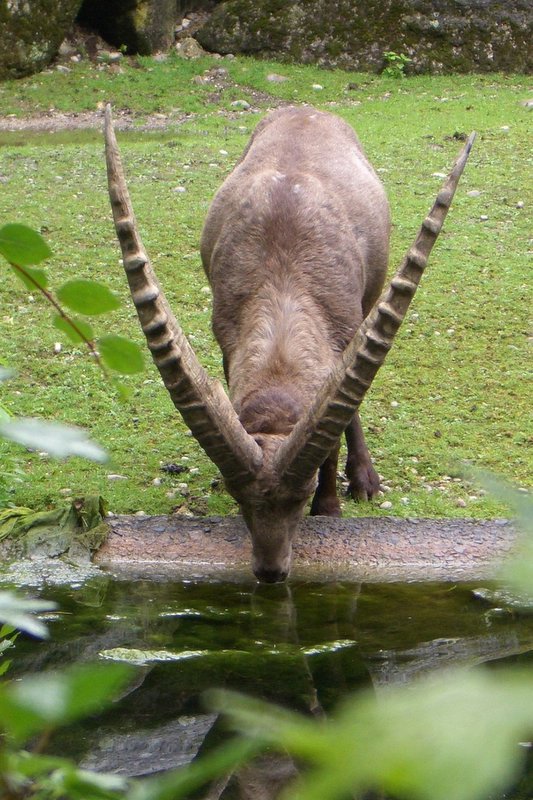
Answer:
(454, 388)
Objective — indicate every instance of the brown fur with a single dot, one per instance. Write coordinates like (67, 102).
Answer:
(295, 247)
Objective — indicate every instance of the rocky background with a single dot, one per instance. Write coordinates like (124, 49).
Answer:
(436, 35)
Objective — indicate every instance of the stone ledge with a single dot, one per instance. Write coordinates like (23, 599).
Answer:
(370, 549)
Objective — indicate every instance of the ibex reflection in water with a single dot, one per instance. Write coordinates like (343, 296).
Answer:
(295, 248)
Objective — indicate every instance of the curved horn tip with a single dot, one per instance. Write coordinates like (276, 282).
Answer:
(463, 155)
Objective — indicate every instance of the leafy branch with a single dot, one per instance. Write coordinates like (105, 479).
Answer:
(23, 248)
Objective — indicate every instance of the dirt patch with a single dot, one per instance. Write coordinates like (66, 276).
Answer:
(53, 121)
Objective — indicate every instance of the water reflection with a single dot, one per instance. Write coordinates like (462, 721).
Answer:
(303, 646)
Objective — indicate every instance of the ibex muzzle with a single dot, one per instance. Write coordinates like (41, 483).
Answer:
(295, 247)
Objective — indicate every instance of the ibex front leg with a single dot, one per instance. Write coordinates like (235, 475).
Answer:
(363, 478)
(325, 501)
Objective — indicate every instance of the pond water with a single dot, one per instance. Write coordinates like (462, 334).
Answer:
(305, 645)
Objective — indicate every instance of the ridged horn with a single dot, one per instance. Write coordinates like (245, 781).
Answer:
(202, 402)
(315, 435)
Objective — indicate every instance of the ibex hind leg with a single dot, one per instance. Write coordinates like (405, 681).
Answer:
(363, 478)
(325, 501)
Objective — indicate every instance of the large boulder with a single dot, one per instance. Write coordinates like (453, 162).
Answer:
(31, 32)
(139, 26)
(438, 35)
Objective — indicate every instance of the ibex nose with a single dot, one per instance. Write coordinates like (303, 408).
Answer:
(270, 575)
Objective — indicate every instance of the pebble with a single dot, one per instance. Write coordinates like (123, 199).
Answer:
(317, 87)
(386, 505)
(461, 503)
(439, 175)
(244, 104)
(180, 189)
(483, 218)
(473, 193)
(156, 482)
(273, 77)
(114, 477)
(140, 514)
(57, 347)
(520, 204)
(63, 69)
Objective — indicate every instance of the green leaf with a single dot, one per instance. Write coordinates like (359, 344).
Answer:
(88, 297)
(4, 666)
(55, 439)
(123, 392)
(452, 735)
(31, 278)
(15, 612)
(70, 332)
(22, 245)
(39, 701)
(121, 354)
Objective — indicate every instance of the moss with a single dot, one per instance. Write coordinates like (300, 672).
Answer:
(439, 35)
(32, 32)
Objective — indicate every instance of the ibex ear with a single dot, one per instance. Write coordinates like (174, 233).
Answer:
(316, 434)
(202, 402)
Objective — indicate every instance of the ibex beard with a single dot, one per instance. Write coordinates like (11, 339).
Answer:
(295, 248)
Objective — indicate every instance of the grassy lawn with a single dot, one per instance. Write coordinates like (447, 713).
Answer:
(454, 389)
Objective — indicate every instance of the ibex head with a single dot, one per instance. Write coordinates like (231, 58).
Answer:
(271, 474)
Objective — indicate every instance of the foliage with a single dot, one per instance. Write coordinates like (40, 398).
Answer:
(396, 64)
(453, 734)
(22, 248)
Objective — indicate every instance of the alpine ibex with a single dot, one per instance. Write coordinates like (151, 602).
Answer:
(295, 248)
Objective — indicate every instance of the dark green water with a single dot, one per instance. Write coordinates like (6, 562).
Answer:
(305, 646)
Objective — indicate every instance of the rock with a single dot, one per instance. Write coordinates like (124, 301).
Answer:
(243, 104)
(273, 77)
(32, 32)
(189, 48)
(437, 35)
(141, 26)
(386, 505)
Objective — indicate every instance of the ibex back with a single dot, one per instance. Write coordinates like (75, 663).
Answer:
(295, 247)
